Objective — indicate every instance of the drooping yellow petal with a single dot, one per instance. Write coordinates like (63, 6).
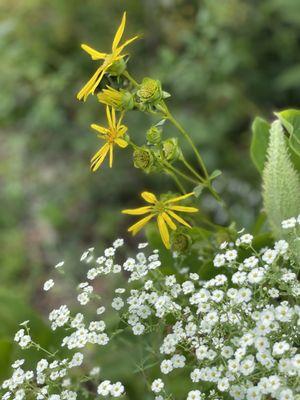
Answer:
(111, 154)
(175, 199)
(169, 221)
(178, 218)
(163, 230)
(135, 228)
(99, 128)
(89, 86)
(99, 153)
(99, 157)
(149, 197)
(137, 211)
(96, 55)
(121, 142)
(119, 33)
(184, 209)
(99, 79)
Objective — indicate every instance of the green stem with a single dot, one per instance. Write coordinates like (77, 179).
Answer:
(130, 78)
(177, 171)
(176, 180)
(170, 117)
(190, 168)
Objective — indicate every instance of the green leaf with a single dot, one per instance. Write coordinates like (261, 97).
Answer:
(290, 119)
(281, 187)
(215, 174)
(259, 142)
(198, 190)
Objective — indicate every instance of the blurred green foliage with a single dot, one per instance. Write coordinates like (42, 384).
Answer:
(222, 61)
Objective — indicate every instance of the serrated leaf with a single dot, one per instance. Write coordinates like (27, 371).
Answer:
(259, 142)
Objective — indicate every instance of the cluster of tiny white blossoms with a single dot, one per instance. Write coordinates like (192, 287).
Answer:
(235, 335)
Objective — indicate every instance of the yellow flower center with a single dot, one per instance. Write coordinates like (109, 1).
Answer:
(159, 207)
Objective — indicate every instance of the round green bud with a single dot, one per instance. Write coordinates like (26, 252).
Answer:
(181, 242)
(143, 159)
(171, 150)
(127, 101)
(153, 135)
(117, 68)
(150, 91)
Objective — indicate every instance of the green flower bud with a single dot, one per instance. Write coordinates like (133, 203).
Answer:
(153, 135)
(127, 101)
(143, 159)
(150, 91)
(181, 242)
(117, 68)
(171, 150)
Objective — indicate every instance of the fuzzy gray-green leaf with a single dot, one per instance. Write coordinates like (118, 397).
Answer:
(281, 187)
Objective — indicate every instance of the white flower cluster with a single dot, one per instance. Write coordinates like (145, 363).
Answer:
(236, 335)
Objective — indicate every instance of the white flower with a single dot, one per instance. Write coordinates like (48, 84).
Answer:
(138, 329)
(231, 255)
(280, 347)
(117, 303)
(117, 389)
(157, 386)
(251, 262)
(104, 388)
(48, 284)
(289, 223)
(286, 394)
(194, 395)
(247, 365)
(25, 341)
(256, 275)
(281, 246)
(59, 265)
(166, 366)
(219, 260)
(223, 384)
(269, 256)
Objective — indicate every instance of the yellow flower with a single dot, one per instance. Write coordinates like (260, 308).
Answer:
(118, 99)
(108, 60)
(112, 135)
(164, 211)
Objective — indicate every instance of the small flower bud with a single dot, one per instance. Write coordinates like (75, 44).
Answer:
(150, 91)
(119, 99)
(171, 150)
(153, 135)
(143, 159)
(181, 242)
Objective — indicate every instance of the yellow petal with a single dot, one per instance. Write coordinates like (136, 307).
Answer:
(179, 219)
(99, 128)
(113, 117)
(99, 79)
(119, 49)
(121, 142)
(119, 32)
(163, 230)
(122, 130)
(149, 197)
(99, 157)
(137, 211)
(135, 228)
(185, 196)
(108, 116)
(184, 209)
(88, 87)
(111, 155)
(169, 221)
(103, 149)
(96, 55)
